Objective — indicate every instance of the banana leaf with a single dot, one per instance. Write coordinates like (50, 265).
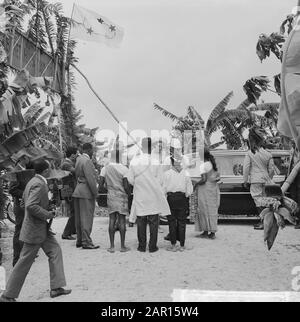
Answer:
(270, 229)
(287, 215)
(263, 213)
(279, 220)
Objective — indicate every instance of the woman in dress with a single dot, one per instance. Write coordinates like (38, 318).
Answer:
(258, 169)
(208, 195)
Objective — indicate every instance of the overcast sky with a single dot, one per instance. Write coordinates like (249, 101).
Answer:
(175, 53)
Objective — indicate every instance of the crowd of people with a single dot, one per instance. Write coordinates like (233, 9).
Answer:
(161, 186)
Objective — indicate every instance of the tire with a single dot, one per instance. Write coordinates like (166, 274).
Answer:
(10, 213)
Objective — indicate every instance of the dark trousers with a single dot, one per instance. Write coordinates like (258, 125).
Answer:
(177, 226)
(84, 217)
(29, 251)
(17, 244)
(70, 228)
(142, 221)
(179, 205)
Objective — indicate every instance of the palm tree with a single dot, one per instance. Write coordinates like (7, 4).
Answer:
(231, 122)
(219, 118)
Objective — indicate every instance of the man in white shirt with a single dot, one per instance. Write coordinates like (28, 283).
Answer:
(178, 187)
(182, 161)
(176, 153)
(148, 197)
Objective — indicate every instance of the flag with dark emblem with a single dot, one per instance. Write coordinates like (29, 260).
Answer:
(90, 26)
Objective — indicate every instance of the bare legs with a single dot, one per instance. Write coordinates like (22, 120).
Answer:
(117, 220)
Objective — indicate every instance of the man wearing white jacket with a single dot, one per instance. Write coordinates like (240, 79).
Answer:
(148, 197)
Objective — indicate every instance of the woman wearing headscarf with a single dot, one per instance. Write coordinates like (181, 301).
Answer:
(208, 194)
(258, 169)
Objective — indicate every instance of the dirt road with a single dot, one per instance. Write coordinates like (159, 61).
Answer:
(236, 261)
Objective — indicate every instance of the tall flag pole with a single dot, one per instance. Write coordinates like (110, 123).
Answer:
(106, 106)
(289, 112)
(90, 26)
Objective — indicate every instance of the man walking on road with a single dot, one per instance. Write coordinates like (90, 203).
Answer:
(85, 195)
(36, 234)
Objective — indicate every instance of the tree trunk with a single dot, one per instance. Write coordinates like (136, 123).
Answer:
(2, 203)
(2, 200)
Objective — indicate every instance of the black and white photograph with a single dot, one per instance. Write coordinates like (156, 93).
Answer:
(149, 152)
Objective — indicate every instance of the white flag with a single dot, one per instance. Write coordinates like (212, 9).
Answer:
(90, 26)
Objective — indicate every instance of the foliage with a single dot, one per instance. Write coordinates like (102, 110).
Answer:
(287, 24)
(255, 86)
(230, 122)
(269, 44)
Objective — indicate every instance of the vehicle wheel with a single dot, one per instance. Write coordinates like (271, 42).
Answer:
(10, 213)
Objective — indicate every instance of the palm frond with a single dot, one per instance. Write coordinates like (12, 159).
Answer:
(37, 115)
(54, 8)
(194, 115)
(231, 116)
(265, 107)
(31, 111)
(50, 26)
(287, 24)
(267, 44)
(44, 117)
(218, 110)
(166, 113)
(277, 83)
(244, 105)
(255, 86)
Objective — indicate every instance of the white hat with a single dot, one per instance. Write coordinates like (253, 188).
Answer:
(175, 143)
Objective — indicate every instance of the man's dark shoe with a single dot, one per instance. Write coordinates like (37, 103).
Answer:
(153, 250)
(6, 299)
(212, 236)
(90, 247)
(68, 237)
(203, 235)
(78, 245)
(58, 292)
(259, 226)
(140, 249)
(167, 237)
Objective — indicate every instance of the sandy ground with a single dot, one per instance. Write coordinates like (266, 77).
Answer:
(236, 261)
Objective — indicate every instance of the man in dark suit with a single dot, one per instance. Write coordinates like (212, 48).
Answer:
(36, 234)
(85, 195)
(16, 189)
(69, 165)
